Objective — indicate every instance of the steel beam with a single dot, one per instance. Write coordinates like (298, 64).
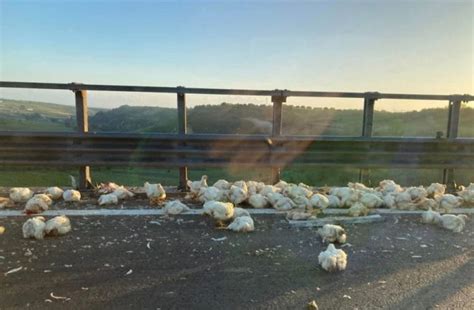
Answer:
(82, 120)
(182, 130)
(454, 111)
(367, 126)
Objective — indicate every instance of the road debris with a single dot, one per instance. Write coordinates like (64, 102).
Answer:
(148, 245)
(14, 270)
(59, 297)
(129, 272)
(2, 229)
(347, 296)
(219, 239)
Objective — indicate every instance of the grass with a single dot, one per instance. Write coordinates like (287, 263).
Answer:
(33, 176)
(31, 125)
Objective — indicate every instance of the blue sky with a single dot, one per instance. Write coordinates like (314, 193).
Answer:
(388, 46)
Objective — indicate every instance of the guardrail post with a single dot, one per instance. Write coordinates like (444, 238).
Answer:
(82, 120)
(452, 133)
(367, 125)
(182, 129)
(277, 129)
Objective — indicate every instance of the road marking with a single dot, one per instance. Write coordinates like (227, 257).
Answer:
(122, 212)
(144, 212)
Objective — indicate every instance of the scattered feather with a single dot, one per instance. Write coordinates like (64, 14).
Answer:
(219, 239)
(14, 270)
(59, 297)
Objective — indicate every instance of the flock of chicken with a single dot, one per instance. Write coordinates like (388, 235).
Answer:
(300, 201)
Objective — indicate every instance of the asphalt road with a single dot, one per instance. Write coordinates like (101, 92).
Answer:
(136, 263)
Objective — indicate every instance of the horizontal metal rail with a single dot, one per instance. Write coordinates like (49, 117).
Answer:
(85, 149)
(241, 92)
(103, 149)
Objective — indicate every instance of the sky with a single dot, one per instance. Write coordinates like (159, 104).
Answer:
(387, 46)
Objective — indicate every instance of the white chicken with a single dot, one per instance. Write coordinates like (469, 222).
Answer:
(430, 217)
(281, 184)
(302, 202)
(301, 189)
(358, 186)
(195, 186)
(122, 193)
(274, 197)
(242, 224)
(348, 196)
(20, 194)
(358, 209)
(467, 194)
(107, 199)
(237, 194)
(267, 189)
(34, 228)
(452, 222)
(211, 193)
(389, 186)
(333, 259)
(319, 201)
(334, 201)
(71, 195)
(220, 211)
(38, 203)
(254, 187)
(435, 189)
(332, 233)
(417, 193)
(54, 192)
(371, 200)
(107, 188)
(284, 204)
(427, 203)
(154, 191)
(403, 201)
(58, 226)
(389, 200)
(175, 207)
(258, 201)
(222, 184)
(447, 202)
(6, 203)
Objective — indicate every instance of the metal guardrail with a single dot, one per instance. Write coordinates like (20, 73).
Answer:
(87, 149)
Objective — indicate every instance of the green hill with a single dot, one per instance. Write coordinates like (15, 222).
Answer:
(20, 115)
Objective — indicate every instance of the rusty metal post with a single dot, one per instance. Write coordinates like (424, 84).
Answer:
(454, 111)
(82, 120)
(182, 129)
(367, 125)
(277, 129)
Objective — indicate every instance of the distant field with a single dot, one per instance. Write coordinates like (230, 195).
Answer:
(225, 118)
(19, 115)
